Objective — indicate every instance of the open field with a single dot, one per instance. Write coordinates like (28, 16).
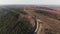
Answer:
(50, 23)
(10, 16)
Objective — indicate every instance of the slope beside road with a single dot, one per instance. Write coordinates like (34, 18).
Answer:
(49, 23)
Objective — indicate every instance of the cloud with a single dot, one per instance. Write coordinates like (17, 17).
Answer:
(19, 1)
(30, 2)
(56, 2)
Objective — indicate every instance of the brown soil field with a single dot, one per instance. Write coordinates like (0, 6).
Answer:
(50, 23)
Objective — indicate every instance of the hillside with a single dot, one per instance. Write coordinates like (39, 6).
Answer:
(14, 22)
(51, 24)
(19, 21)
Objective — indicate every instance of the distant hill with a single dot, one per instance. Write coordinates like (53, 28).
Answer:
(55, 7)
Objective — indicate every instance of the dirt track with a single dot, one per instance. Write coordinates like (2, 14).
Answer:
(49, 23)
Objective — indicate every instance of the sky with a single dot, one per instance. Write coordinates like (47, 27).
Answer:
(37, 2)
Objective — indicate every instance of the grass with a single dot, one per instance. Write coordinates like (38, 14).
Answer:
(10, 23)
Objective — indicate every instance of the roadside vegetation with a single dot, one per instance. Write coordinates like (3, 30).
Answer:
(12, 23)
